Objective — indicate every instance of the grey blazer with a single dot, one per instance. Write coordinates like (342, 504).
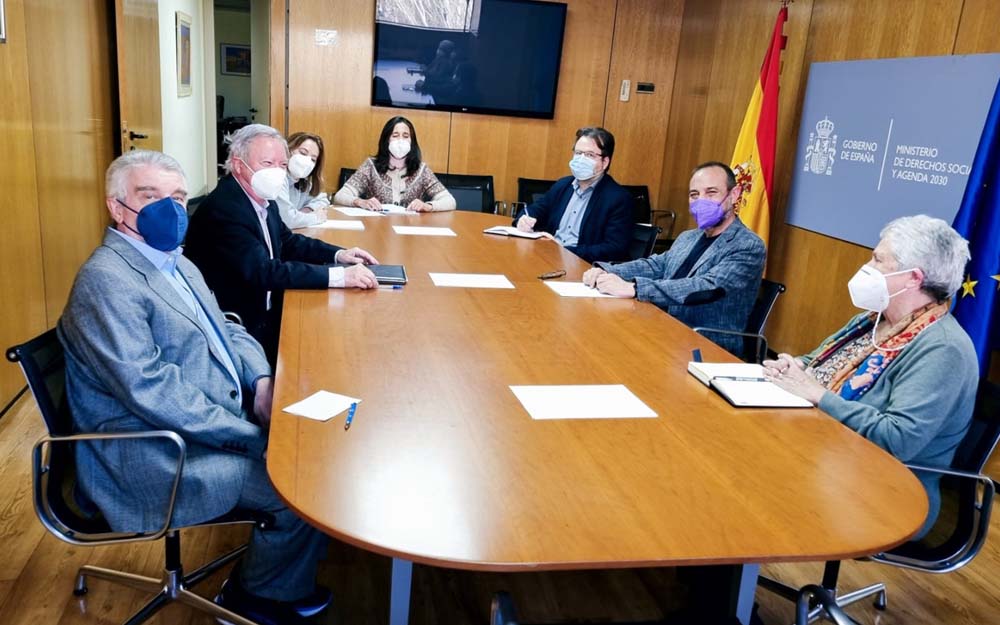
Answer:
(734, 263)
(137, 360)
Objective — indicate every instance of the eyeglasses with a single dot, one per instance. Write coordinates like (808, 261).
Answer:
(591, 155)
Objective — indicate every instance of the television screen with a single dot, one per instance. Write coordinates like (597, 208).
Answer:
(476, 56)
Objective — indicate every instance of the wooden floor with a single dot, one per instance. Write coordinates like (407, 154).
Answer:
(37, 573)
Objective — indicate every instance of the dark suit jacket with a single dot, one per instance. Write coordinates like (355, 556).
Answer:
(225, 241)
(607, 225)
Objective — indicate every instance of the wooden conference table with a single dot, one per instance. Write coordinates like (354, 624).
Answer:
(443, 466)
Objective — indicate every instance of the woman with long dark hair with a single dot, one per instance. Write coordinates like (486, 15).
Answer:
(396, 175)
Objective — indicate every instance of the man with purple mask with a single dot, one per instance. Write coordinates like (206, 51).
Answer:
(710, 275)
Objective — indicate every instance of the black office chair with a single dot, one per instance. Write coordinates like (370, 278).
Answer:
(531, 189)
(345, 175)
(665, 219)
(65, 511)
(754, 341)
(643, 239)
(472, 192)
(959, 532)
(825, 605)
(642, 211)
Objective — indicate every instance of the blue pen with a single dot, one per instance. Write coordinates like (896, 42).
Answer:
(696, 355)
(390, 287)
(350, 415)
(738, 378)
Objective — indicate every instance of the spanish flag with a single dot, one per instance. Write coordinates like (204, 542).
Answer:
(753, 158)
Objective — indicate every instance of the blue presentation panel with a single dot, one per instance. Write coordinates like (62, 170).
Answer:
(885, 138)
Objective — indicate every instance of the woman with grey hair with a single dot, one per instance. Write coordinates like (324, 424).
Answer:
(904, 373)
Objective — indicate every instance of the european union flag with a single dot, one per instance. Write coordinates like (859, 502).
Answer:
(978, 220)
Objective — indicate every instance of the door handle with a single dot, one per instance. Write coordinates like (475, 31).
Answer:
(136, 135)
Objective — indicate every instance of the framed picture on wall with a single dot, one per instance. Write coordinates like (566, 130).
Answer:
(183, 54)
(235, 59)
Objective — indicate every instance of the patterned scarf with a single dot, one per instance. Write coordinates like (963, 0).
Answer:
(849, 364)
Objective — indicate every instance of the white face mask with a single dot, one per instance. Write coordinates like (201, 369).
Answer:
(268, 182)
(300, 166)
(869, 290)
(399, 147)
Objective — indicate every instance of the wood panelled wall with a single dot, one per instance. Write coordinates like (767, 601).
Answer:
(722, 45)
(703, 55)
(606, 41)
(23, 311)
(57, 134)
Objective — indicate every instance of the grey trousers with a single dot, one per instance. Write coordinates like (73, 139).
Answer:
(281, 561)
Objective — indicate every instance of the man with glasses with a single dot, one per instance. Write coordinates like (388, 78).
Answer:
(588, 212)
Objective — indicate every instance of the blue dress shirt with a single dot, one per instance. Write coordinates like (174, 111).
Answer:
(568, 233)
(166, 263)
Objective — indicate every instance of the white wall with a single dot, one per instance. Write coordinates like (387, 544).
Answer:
(233, 27)
(184, 119)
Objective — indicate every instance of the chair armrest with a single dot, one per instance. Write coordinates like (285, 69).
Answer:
(952, 472)
(824, 598)
(972, 545)
(666, 213)
(761, 339)
(40, 467)
(702, 329)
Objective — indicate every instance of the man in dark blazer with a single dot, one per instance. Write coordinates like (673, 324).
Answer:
(147, 348)
(588, 213)
(247, 254)
(710, 275)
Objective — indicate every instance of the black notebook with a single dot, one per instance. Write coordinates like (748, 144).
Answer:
(385, 274)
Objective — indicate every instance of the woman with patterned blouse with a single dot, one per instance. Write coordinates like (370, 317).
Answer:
(396, 175)
(904, 373)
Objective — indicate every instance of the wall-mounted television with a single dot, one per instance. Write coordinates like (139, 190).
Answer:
(498, 57)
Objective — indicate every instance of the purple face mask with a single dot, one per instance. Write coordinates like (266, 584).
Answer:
(706, 212)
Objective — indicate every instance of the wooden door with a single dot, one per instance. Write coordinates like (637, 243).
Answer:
(138, 35)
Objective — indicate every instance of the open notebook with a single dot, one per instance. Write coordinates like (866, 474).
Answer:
(743, 385)
(511, 231)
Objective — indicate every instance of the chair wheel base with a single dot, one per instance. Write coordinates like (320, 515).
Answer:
(880, 602)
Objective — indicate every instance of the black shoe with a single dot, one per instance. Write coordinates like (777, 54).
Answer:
(314, 603)
(258, 609)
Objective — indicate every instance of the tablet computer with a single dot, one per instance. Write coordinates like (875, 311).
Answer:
(385, 274)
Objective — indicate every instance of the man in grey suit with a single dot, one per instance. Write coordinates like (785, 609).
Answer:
(710, 275)
(147, 348)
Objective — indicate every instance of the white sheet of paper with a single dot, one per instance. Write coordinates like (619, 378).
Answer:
(322, 405)
(581, 401)
(341, 224)
(351, 211)
(472, 280)
(574, 289)
(427, 231)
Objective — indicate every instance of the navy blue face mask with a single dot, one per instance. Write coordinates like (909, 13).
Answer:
(162, 223)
